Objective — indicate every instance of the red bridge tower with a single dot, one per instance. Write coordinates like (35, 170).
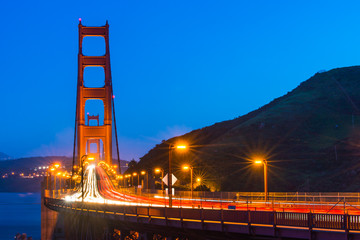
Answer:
(86, 134)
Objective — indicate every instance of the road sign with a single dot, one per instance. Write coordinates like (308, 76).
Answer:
(173, 179)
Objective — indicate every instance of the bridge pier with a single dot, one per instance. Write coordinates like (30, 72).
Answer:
(52, 222)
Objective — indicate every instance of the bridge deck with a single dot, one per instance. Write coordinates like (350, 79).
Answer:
(259, 223)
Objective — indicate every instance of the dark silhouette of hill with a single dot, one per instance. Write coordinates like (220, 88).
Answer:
(4, 156)
(310, 137)
(23, 164)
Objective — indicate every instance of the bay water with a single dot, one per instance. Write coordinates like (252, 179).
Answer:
(20, 213)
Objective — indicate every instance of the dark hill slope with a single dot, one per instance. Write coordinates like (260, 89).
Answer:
(310, 137)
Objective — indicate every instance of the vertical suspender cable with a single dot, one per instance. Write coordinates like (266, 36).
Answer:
(73, 162)
(77, 100)
(116, 137)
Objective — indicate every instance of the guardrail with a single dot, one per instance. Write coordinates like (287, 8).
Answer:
(317, 202)
(308, 220)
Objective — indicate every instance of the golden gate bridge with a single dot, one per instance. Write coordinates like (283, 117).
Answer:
(93, 207)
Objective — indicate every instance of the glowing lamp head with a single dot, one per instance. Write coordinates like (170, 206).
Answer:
(79, 19)
(59, 173)
(198, 179)
(56, 165)
(114, 166)
(143, 172)
(121, 177)
(91, 158)
(259, 161)
(52, 169)
(181, 147)
(157, 170)
(134, 174)
(186, 167)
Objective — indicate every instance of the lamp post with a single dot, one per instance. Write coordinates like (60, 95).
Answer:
(171, 147)
(82, 176)
(187, 167)
(54, 190)
(59, 174)
(157, 170)
(147, 178)
(127, 181)
(53, 167)
(264, 162)
(49, 182)
(122, 180)
(134, 175)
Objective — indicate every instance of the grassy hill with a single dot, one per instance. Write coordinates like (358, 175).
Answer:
(310, 137)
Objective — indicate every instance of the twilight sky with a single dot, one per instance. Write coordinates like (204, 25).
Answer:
(176, 65)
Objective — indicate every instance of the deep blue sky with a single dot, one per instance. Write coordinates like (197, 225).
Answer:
(176, 65)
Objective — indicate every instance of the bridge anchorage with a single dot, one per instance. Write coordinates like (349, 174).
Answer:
(92, 205)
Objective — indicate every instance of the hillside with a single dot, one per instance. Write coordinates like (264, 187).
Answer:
(4, 156)
(310, 137)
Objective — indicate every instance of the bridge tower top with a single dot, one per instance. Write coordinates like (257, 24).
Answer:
(92, 117)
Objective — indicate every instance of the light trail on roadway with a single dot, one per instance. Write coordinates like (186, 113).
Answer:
(98, 188)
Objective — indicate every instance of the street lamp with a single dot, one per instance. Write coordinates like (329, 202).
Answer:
(264, 162)
(53, 167)
(59, 176)
(187, 167)
(171, 147)
(49, 177)
(82, 176)
(127, 180)
(122, 179)
(147, 178)
(157, 170)
(133, 175)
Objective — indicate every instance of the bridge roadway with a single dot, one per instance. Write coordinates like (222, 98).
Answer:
(142, 214)
(214, 222)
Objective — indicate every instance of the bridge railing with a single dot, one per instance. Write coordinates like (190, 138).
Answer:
(341, 202)
(219, 216)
